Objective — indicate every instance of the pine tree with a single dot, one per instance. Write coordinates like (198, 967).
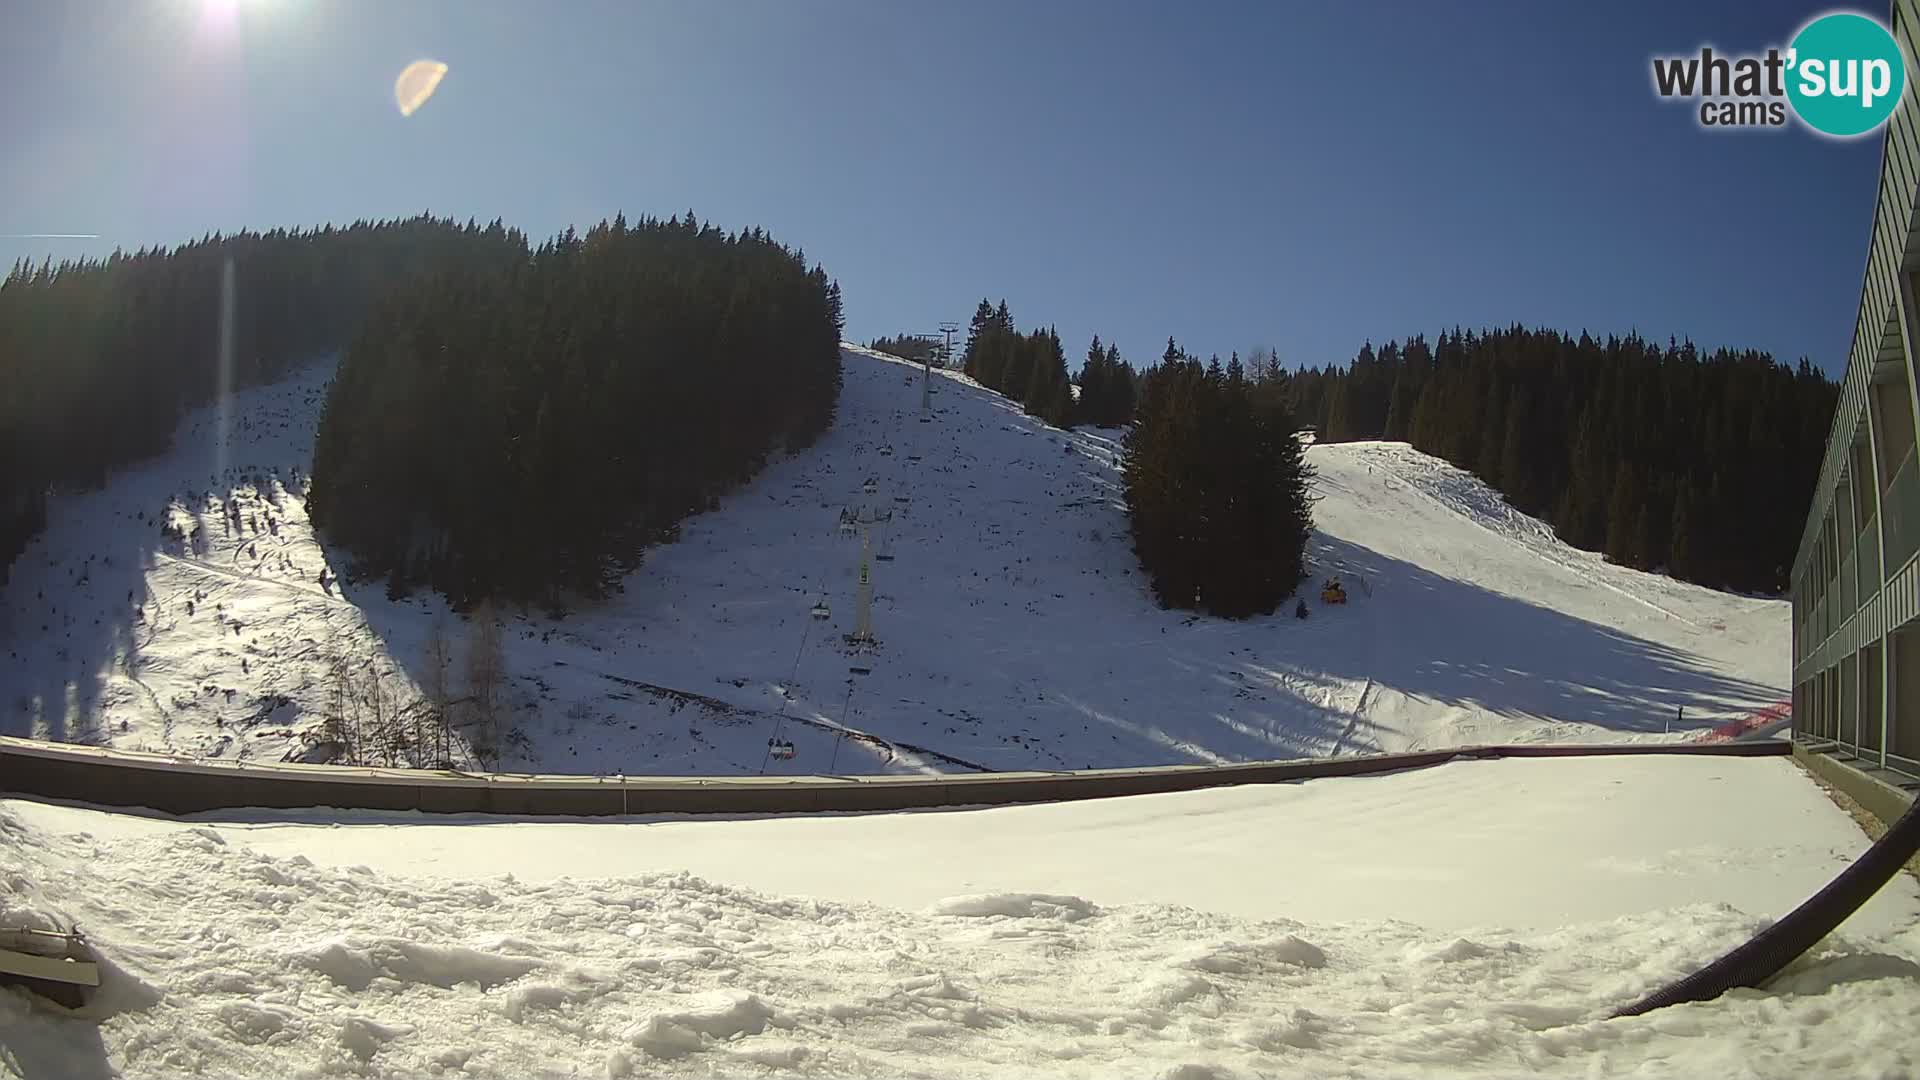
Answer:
(1488, 455)
(1216, 490)
(1125, 381)
(1096, 385)
(1622, 519)
(1643, 538)
(1339, 425)
(1680, 556)
(1516, 468)
(982, 324)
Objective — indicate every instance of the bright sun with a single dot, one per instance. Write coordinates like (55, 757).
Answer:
(223, 15)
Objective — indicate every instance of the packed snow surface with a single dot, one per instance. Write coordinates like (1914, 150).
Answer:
(1476, 919)
(1015, 629)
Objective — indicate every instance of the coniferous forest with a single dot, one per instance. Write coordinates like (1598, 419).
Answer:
(1216, 487)
(637, 338)
(907, 347)
(100, 357)
(1108, 387)
(524, 430)
(1698, 464)
(1216, 483)
(1032, 370)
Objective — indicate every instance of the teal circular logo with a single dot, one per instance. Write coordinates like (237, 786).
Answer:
(1845, 74)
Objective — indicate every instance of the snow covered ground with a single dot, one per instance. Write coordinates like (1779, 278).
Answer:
(1015, 630)
(1476, 919)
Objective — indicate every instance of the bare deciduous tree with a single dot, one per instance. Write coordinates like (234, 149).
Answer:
(374, 717)
(486, 679)
(339, 725)
(433, 684)
(1263, 363)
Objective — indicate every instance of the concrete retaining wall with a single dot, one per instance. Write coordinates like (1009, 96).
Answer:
(1862, 781)
(190, 785)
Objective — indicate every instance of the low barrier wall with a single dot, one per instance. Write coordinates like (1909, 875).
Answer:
(1760, 721)
(190, 785)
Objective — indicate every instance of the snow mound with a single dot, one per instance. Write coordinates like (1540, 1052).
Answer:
(671, 974)
(1015, 906)
(1299, 1031)
(364, 1037)
(773, 1057)
(1235, 959)
(355, 964)
(1179, 988)
(257, 1024)
(1452, 952)
(26, 906)
(526, 999)
(1452, 487)
(1190, 1071)
(717, 1016)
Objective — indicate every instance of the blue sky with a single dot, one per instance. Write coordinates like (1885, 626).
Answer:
(1306, 176)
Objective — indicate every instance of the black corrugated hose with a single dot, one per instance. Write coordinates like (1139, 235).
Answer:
(1780, 944)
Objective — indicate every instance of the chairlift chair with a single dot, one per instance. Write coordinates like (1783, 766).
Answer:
(821, 611)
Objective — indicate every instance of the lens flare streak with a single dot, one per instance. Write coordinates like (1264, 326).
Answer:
(416, 84)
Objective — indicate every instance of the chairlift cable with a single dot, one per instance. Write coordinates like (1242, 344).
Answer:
(787, 698)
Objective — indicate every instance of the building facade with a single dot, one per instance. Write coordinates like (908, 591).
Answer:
(1856, 583)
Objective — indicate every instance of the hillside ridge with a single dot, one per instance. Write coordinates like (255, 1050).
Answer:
(1015, 629)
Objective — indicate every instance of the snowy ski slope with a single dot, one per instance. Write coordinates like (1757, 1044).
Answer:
(1015, 630)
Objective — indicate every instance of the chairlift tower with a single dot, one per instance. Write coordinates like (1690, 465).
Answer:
(926, 375)
(863, 604)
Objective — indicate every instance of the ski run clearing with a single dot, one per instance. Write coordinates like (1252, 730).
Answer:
(1015, 630)
(1481, 918)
